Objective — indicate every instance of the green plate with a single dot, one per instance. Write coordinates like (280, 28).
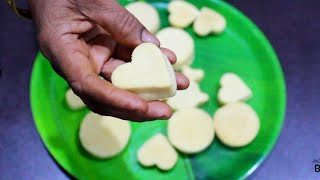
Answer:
(242, 49)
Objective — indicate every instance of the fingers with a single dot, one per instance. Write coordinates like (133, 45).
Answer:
(103, 98)
(100, 48)
(158, 110)
(122, 25)
(109, 67)
(182, 81)
(170, 55)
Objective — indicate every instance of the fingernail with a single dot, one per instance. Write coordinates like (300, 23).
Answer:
(147, 37)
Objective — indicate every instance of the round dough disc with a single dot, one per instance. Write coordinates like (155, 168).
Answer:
(236, 124)
(74, 101)
(190, 130)
(146, 14)
(104, 136)
(180, 42)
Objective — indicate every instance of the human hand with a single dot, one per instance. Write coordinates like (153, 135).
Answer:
(87, 38)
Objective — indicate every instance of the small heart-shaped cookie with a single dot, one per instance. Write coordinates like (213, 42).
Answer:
(149, 74)
(233, 89)
(209, 21)
(191, 97)
(182, 13)
(159, 152)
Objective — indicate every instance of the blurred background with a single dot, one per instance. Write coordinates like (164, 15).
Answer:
(293, 28)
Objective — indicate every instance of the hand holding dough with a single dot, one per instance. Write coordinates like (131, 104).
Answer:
(233, 89)
(182, 13)
(159, 152)
(191, 97)
(236, 124)
(190, 130)
(180, 42)
(74, 101)
(209, 21)
(104, 136)
(149, 74)
(146, 14)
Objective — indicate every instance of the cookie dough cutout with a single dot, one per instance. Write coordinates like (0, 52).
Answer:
(146, 14)
(190, 130)
(182, 14)
(74, 101)
(104, 136)
(209, 21)
(180, 42)
(236, 124)
(233, 89)
(149, 74)
(191, 97)
(157, 151)
(193, 74)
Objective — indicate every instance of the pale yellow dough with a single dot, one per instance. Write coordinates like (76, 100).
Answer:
(74, 101)
(104, 136)
(191, 97)
(190, 130)
(233, 89)
(146, 14)
(236, 124)
(149, 74)
(180, 42)
(182, 14)
(157, 151)
(193, 74)
(209, 21)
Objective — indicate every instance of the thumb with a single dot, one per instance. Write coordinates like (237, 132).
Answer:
(120, 23)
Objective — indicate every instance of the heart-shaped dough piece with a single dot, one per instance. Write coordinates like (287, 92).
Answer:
(191, 97)
(233, 89)
(193, 74)
(180, 42)
(104, 136)
(74, 101)
(146, 14)
(236, 124)
(190, 130)
(182, 13)
(159, 152)
(149, 74)
(209, 21)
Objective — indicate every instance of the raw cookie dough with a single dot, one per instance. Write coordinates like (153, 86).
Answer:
(191, 97)
(146, 14)
(149, 74)
(233, 89)
(209, 21)
(159, 152)
(180, 42)
(193, 74)
(182, 13)
(74, 101)
(236, 124)
(190, 130)
(104, 136)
